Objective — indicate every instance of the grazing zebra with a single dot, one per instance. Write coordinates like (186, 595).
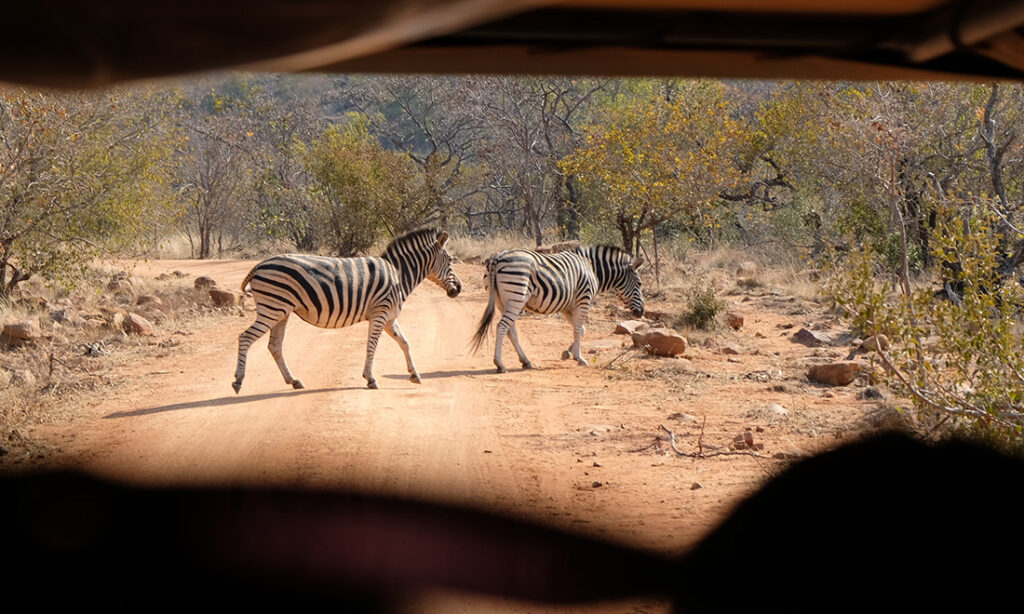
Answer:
(339, 292)
(564, 282)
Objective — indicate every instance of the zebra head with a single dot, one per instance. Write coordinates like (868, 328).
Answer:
(630, 288)
(440, 270)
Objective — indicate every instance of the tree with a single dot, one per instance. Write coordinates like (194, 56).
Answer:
(645, 162)
(79, 175)
(360, 189)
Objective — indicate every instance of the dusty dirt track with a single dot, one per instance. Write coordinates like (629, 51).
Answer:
(576, 447)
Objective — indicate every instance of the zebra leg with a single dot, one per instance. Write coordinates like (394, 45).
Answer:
(376, 326)
(264, 322)
(393, 329)
(276, 347)
(577, 317)
(513, 334)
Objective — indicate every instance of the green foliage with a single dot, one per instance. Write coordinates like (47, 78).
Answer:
(702, 308)
(359, 188)
(960, 362)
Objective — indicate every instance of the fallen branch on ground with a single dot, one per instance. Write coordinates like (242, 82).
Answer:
(700, 454)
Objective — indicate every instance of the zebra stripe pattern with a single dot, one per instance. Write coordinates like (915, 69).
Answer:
(339, 292)
(564, 282)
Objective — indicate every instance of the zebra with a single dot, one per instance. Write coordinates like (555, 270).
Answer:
(565, 282)
(339, 292)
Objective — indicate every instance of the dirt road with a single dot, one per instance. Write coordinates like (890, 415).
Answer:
(574, 447)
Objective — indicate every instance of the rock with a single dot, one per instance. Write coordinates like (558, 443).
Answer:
(834, 374)
(137, 325)
(21, 332)
(596, 485)
(5, 378)
(871, 393)
(150, 300)
(777, 409)
(121, 283)
(734, 320)
(66, 315)
(729, 350)
(116, 320)
(874, 343)
(746, 269)
(811, 338)
(660, 341)
(628, 327)
(792, 453)
(696, 486)
(225, 298)
(681, 417)
(23, 377)
(202, 282)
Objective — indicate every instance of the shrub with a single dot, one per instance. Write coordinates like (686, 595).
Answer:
(702, 308)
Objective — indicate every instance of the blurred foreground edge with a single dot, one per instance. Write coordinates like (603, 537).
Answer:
(883, 524)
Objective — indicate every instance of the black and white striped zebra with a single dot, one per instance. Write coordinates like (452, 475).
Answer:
(339, 292)
(565, 282)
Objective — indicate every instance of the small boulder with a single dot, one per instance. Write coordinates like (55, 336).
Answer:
(21, 332)
(121, 284)
(746, 269)
(811, 338)
(628, 327)
(874, 343)
(66, 315)
(137, 325)
(203, 282)
(734, 320)
(5, 378)
(729, 349)
(225, 298)
(834, 374)
(149, 300)
(660, 342)
(23, 377)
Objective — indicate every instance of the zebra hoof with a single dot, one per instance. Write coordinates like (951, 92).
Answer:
(237, 386)
(527, 365)
(297, 384)
(372, 384)
(566, 355)
(502, 369)
(415, 378)
(581, 362)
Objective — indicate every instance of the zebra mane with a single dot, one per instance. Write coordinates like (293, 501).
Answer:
(410, 237)
(616, 251)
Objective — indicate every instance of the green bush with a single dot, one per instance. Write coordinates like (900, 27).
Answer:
(703, 307)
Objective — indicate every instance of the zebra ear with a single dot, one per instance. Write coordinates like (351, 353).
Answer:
(442, 239)
(637, 263)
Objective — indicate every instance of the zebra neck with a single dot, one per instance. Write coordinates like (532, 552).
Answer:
(410, 272)
(602, 270)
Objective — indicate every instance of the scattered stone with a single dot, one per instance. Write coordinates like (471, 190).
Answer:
(21, 332)
(696, 486)
(150, 300)
(734, 320)
(65, 315)
(597, 464)
(790, 454)
(596, 485)
(23, 377)
(225, 298)
(874, 343)
(746, 269)
(834, 374)
(660, 342)
(811, 338)
(681, 417)
(733, 359)
(5, 378)
(137, 325)
(871, 393)
(116, 320)
(628, 327)
(729, 350)
(777, 409)
(203, 282)
(121, 284)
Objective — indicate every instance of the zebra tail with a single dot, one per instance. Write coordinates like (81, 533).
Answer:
(248, 278)
(485, 322)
